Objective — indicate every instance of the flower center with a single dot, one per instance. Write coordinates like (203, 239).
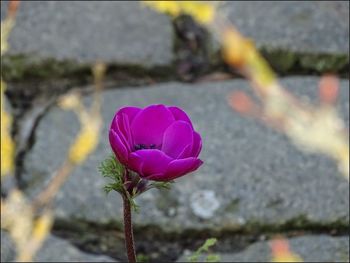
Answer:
(144, 146)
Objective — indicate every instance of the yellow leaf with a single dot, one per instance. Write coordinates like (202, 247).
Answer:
(202, 11)
(85, 142)
(7, 144)
(42, 227)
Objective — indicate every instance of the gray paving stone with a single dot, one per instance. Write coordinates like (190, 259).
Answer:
(54, 249)
(7, 248)
(251, 174)
(316, 248)
(304, 26)
(119, 32)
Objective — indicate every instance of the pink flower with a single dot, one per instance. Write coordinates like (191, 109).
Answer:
(157, 142)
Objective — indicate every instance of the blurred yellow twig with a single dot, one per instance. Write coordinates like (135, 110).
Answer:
(7, 144)
(19, 216)
(27, 230)
(29, 223)
(316, 128)
(86, 140)
(55, 184)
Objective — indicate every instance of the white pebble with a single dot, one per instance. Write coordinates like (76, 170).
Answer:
(204, 203)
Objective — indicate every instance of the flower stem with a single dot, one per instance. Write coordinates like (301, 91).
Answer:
(129, 239)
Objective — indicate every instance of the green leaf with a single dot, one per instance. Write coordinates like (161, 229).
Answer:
(113, 186)
(132, 202)
(208, 243)
(193, 258)
(107, 189)
(204, 249)
(161, 185)
(142, 258)
(135, 207)
(212, 258)
(111, 168)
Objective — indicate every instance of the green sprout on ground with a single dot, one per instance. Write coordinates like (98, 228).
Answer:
(204, 249)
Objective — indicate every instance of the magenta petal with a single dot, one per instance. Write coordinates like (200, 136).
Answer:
(197, 144)
(180, 115)
(121, 123)
(135, 163)
(149, 125)
(127, 115)
(176, 137)
(156, 177)
(131, 112)
(187, 152)
(118, 147)
(124, 125)
(116, 128)
(181, 167)
(114, 122)
(153, 161)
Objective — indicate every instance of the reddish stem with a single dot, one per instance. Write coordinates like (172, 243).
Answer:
(129, 238)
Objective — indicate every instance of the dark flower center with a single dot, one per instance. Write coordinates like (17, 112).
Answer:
(144, 146)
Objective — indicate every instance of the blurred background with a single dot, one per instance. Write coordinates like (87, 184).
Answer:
(254, 184)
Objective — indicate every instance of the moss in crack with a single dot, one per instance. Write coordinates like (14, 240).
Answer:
(165, 244)
(80, 225)
(30, 78)
(138, 73)
(290, 62)
(24, 67)
(325, 62)
(298, 223)
(96, 238)
(286, 62)
(280, 60)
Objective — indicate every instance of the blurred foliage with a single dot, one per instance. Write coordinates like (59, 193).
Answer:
(7, 144)
(29, 222)
(27, 230)
(90, 120)
(314, 128)
(87, 139)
